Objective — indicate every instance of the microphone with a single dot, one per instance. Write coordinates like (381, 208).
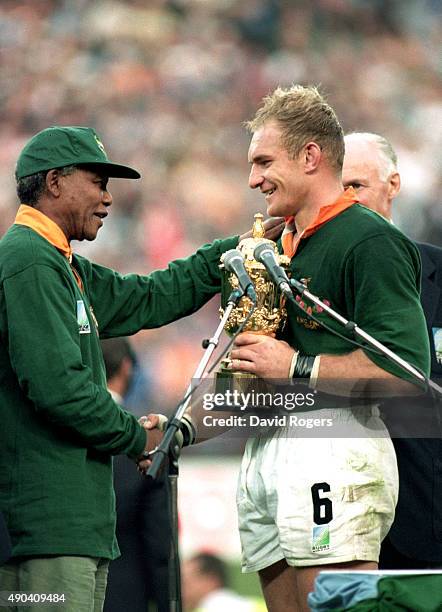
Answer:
(265, 254)
(233, 261)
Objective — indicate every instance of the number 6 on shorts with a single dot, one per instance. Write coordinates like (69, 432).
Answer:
(322, 506)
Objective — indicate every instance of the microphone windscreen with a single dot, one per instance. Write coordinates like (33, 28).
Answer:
(261, 250)
(229, 256)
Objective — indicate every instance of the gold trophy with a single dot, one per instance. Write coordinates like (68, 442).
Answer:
(270, 313)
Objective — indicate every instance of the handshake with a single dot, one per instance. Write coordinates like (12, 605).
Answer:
(155, 425)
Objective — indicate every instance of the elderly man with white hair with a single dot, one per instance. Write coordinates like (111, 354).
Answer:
(415, 538)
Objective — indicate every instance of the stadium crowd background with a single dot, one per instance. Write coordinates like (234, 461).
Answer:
(167, 85)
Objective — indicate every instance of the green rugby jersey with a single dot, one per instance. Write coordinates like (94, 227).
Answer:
(369, 272)
(59, 424)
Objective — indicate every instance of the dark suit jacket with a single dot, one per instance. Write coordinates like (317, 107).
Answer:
(417, 528)
(141, 574)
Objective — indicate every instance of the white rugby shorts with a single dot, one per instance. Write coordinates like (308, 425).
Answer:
(313, 501)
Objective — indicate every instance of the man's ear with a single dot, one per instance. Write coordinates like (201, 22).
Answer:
(394, 185)
(53, 182)
(312, 156)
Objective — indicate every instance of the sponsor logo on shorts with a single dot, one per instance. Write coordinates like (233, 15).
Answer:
(320, 538)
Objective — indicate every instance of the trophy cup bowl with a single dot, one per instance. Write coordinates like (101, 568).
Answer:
(270, 313)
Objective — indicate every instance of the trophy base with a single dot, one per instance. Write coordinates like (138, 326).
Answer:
(239, 383)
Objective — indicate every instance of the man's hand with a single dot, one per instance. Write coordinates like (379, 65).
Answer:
(261, 355)
(154, 424)
(273, 227)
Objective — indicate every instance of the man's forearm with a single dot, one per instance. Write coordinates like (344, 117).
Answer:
(355, 374)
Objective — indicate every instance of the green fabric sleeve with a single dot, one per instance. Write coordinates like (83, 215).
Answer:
(386, 301)
(125, 304)
(46, 355)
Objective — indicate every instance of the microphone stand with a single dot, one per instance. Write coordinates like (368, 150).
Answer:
(351, 326)
(168, 449)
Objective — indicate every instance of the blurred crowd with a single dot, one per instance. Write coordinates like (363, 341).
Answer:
(167, 85)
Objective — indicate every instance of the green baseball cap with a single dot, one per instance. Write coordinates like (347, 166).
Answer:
(59, 146)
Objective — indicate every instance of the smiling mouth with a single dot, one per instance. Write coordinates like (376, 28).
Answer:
(100, 215)
(270, 192)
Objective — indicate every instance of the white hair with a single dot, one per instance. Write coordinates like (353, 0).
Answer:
(387, 155)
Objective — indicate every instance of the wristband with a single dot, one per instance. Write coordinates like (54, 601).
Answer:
(303, 366)
(306, 366)
(293, 365)
(314, 373)
(188, 431)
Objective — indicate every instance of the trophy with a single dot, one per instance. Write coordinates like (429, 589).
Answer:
(270, 313)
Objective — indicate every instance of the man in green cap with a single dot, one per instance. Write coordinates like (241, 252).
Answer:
(60, 425)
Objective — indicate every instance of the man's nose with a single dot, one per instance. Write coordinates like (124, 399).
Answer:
(255, 178)
(107, 197)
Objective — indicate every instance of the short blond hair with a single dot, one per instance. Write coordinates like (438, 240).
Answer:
(303, 116)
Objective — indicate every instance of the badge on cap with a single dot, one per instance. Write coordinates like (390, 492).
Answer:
(100, 144)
